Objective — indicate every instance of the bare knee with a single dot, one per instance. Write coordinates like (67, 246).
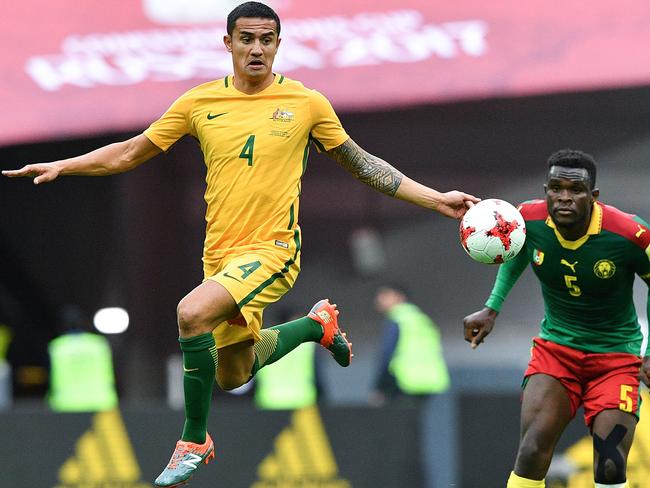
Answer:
(230, 381)
(191, 320)
(195, 319)
(205, 307)
(235, 365)
(532, 449)
(533, 458)
(610, 455)
(609, 471)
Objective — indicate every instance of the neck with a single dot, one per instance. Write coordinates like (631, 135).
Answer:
(251, 87)
(575, 231)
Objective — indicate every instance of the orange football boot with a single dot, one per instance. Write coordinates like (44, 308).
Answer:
(334, 339)
(185, 460)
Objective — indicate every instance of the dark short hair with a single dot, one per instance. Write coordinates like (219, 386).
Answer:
(398, 287)
(572, 158)
(251, 10)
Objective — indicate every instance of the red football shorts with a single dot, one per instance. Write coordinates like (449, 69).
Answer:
(598, 381)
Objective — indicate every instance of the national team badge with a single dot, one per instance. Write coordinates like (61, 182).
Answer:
(538, 257)
(604, 269)
(282, 115)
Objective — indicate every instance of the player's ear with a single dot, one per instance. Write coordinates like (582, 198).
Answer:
(595, 193)
(227, 40)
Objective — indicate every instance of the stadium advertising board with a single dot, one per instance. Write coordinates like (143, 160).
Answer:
(71, 68)
(307, 448)
(328, 447)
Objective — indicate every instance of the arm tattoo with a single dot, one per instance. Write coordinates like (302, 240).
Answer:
(369, 169)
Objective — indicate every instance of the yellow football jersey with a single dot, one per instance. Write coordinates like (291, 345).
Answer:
(255, 149)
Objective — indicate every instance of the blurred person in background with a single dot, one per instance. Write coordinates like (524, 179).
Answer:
(296, 381)
(6, 335)
(585, 255)
(81, 367)
(23, 344)
(254, 128)
(411, 365)
(27, 320)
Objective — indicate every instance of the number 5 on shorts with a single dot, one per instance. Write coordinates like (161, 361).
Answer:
(626, 399)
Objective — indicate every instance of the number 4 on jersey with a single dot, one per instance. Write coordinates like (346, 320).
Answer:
(247, 150)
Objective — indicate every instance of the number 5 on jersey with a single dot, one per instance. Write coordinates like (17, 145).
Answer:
(247, 150)
(570, 282)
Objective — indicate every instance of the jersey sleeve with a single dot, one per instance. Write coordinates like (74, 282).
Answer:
(172, 126)
(326, 131)
(642, 265)
(507, 276)
(642, 257)
(647, 311)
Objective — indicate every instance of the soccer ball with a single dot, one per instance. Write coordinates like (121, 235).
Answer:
(492, 231)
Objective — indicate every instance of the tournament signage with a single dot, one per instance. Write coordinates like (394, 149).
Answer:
(79, 67)
(127, 448)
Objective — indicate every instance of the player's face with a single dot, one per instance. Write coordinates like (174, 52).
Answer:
(386, 299)
(569, 202)
(254, 44)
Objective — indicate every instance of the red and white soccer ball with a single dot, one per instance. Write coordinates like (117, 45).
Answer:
(492, 231)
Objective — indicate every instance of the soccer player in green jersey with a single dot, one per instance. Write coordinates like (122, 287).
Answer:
(585, 255)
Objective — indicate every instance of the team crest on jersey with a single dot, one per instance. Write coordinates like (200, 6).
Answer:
(282, 115)
(538, 257)
(604, 269)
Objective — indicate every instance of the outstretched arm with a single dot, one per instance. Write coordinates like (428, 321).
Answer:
(107, 160)
(478, 325)
(645, 368)
(642, 268)
(380, 175)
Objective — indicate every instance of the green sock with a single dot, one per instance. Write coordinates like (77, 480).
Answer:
(199, 366)
(279, 340)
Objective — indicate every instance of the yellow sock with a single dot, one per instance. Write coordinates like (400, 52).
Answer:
(518, 482)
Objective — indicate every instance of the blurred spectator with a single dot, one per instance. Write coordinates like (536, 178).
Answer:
(5, 371)
(81, 367)
(411, 364)
(25, 309)
(23, 346)
(296, 381)
(5, 339)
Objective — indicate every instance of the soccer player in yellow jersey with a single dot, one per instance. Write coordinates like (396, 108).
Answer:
(254, 128)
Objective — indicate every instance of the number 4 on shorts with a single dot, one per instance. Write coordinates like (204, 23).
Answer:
(249, 268)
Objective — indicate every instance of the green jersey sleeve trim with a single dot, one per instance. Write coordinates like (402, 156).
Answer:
(647, 311)
(638, 219)
(318, 144)
(507, 276)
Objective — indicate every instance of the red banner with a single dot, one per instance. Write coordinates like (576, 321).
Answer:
(71, 68)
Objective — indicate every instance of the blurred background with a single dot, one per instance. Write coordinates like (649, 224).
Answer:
(465, 95)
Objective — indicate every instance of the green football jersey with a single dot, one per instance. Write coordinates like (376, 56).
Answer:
(587, 284)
